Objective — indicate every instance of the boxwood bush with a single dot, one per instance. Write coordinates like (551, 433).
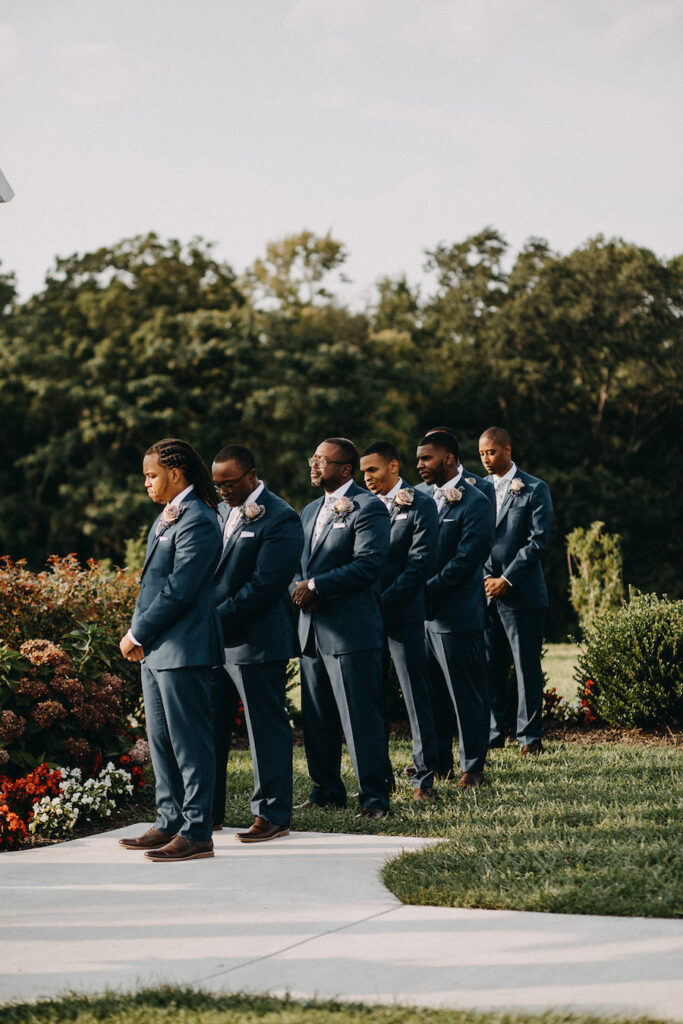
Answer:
(629, 669)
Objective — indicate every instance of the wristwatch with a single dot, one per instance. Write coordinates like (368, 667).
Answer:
(311, 585)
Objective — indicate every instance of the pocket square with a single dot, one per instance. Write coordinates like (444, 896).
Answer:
(163, 540)
(247, 533)
(403, 515)
(338, 526)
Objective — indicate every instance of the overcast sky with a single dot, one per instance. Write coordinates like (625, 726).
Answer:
(396, 124)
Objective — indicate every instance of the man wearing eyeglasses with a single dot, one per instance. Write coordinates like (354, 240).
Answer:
(341, 633)
(262, 544)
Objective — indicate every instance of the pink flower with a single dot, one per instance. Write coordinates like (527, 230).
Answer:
(453, 495)
(405, 497)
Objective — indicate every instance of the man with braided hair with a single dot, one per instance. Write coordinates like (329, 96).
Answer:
(176, 635)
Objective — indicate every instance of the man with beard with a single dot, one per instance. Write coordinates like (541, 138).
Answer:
(346, 541)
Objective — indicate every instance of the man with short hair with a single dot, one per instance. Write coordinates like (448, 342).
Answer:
(346, 541)
(411, 561)
(262, 544)
(455, 595)
(481, 483)
(176, 635)
(516, 591)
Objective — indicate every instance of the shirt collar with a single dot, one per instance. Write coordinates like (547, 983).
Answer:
(340, 490)
(390, 495)
(255, 493)
(453, 482)
(507, 477)
(179, 497)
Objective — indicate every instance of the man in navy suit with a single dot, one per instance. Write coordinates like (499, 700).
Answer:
(411, 562)
(455, 595)
(176, 635)
(516, 591)
(346, 542)
(442, 705)
(262, 544)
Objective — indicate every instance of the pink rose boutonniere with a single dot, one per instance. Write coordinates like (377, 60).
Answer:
(170, 515)
(252, 512)
(405, 497)
(453, 495)
(342, 507)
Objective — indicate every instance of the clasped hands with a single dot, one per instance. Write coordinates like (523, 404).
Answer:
(496, 586)
(130, 651)
(303, 597)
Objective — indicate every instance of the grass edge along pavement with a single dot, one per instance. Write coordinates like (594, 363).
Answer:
(582, 829)
(169, 1005)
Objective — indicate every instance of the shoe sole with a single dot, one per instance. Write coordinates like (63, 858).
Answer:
(144, 849)
(261, 839)
(179, 860)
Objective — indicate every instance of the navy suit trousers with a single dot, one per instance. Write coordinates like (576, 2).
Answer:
(515, 635)
(341, 696)
(177, 711)
(461, 659)
(261, 688)
(410, 661)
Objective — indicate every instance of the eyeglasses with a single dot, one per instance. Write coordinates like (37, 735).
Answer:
(223, 486)
(320, 460)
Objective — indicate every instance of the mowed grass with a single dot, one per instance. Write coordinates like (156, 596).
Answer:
(186, 1006)
(581, 829)
(559, 662)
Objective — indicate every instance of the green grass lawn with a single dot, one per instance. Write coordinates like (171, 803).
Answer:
(583, 828)
(559, 661)
(184, 1006)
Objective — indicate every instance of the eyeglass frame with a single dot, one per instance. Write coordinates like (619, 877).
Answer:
(227, 485)
(322, 461)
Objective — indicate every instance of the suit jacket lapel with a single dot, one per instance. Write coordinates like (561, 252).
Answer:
(352, 491)
(507, 501)
(394, 510)
(309, 531)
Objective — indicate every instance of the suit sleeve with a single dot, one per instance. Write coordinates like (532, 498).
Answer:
(197, 547)
(473, 547)
(421, 560)
(372, 530)
(279, 557)
(540, 525)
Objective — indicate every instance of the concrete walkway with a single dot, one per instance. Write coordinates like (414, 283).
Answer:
(308, 915)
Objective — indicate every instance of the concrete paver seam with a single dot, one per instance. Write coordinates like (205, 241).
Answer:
(295, 945)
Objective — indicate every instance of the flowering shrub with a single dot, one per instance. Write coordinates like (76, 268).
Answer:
(80, 800)
(630, 668)
(59, 703)
(562, 709)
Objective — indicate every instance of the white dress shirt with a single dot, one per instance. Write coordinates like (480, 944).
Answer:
(502, 483)
(324, 515)
(233, 519)
(388, 498)
(437, 493)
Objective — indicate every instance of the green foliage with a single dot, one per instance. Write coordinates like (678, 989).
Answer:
(595, 572)
(630, 667)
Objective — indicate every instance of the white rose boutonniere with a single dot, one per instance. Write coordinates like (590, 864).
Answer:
(453, 495)
(342, 507)
(516, 486)
(471, 480)
(405, 497)
(252, 512)
(170, 515)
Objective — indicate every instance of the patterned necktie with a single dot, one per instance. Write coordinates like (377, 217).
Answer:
(231, 523)
(499, 485)
(324, 516)
(437, 494)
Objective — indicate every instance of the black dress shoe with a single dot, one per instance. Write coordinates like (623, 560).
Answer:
(372, 813)
(217, 828)
(497, 744)
(471, 780)
(261, 831)
(532, 748)
(152, 839)
(180, 849)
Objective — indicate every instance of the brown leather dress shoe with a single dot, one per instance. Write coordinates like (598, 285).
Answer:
(181, 848)
(424, 794)
(532, 748)
(261, 831)
(151, 840)
(372, 813)
(471, 780)
(409, 772)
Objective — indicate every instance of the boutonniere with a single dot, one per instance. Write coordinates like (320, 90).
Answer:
(170, 515)
(405, 497)
(453, 495)
(342, 507)
(471, 480)
(516, 486)
(252, 512)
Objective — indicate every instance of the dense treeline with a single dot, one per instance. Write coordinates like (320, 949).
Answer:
(579, 356)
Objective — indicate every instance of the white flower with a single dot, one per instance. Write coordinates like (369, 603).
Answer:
(516, 485)
(453, 495)
(405, 497)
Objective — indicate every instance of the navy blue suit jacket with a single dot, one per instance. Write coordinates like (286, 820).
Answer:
(521, 537)
(252, 580)
(411, 561)
(482, 483)
(345, 563)
(455, 594)
(175, 617)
